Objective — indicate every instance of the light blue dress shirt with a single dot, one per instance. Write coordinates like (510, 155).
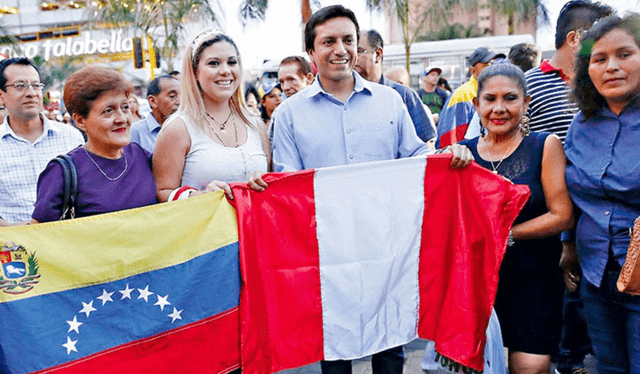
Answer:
(145, 132)
(21, 162)
(313, 129)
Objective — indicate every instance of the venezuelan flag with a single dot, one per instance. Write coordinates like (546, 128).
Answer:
(148, 290)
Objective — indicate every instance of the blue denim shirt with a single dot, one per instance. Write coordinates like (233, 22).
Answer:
(421, 120)
(313, 129)
(603, 177)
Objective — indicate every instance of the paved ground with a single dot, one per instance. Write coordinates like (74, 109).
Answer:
(413, 351)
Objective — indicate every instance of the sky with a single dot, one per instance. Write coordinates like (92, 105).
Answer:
(280, 34)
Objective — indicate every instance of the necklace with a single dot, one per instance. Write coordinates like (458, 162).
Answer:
(495, 167)
(126, 164)
(235, 129)
(222, 125)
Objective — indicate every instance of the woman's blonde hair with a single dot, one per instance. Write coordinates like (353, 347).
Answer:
(191, 102)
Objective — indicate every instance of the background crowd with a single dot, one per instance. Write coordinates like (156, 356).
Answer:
(567, 127)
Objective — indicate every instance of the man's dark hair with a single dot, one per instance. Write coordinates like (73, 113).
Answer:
(154, 86)
(584, 91)
(578, 15)
(251, 90)
(13, 61)
(304, 67)
(524, 55)
(375, 39)
(323, 15)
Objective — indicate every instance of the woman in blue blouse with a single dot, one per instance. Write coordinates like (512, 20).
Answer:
(603, 177)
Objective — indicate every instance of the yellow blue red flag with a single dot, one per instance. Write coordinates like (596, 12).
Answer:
(154, 289)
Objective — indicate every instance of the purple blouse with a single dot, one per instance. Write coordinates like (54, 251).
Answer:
(96, 193)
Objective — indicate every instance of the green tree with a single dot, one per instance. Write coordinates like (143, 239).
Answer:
(431, 21)
(412, 20)
(520, 10)
(5, 36)
(163, 20)
(453, 31)
(439, 12)
(256, 10)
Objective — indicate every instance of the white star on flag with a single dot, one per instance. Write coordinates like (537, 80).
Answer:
(175, 315)
(126, 293)
(144, 293)
(73, 325)
(70, 345)
(106, 296)
(162, 301)
(87, 308)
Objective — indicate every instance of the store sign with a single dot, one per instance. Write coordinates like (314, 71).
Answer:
(82, 45)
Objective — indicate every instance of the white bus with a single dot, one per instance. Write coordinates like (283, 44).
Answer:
(449, 55)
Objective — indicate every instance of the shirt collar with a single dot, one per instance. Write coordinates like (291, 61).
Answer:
(547, 68)
(47, 127)
(361, 84)
(152, 122)
(633, 104)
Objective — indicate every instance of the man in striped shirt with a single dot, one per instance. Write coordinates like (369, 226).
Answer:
(549, 84)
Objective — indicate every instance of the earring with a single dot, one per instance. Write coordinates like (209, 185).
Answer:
(524, 126)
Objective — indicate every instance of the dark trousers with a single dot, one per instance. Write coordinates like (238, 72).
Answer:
(613, 319)
(575, 344)
(390, 361)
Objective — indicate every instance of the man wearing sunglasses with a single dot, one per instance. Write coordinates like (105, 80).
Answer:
(28, 140)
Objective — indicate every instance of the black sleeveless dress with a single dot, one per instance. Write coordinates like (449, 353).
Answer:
(530, 289)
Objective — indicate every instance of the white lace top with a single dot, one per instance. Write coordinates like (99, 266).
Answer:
(208, 161)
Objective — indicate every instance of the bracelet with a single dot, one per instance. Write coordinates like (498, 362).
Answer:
(181, 193)
(510, 241)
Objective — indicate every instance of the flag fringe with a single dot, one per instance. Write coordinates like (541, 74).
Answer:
(454, 366)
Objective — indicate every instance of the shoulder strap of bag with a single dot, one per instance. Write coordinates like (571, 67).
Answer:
(70, 186)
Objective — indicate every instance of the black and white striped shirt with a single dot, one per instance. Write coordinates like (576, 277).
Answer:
(550, 109)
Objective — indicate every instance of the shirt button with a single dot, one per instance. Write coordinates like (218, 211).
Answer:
(348, 131)
(351, 157)
(607, 213)
(344, 108)
(391, 122)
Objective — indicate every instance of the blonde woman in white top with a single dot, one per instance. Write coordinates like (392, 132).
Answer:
(212, 139)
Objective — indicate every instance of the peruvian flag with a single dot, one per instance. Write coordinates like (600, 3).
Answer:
(344, 262)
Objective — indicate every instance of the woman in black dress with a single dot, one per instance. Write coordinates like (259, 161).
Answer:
(529, 299)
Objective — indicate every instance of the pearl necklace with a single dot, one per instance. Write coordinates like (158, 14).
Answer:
(126, 165)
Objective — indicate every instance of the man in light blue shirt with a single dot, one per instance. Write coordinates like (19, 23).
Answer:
(163, 94)
(28, 140)
(343, 119)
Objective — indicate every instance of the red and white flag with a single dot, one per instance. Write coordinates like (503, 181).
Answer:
(344, 262)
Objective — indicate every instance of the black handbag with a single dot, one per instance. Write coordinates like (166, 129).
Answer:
(70, 186)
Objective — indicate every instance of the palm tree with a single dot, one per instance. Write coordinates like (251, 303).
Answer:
(5, 36)
(256, 10)
(412, 21)
(165, 19)
(415, 18)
